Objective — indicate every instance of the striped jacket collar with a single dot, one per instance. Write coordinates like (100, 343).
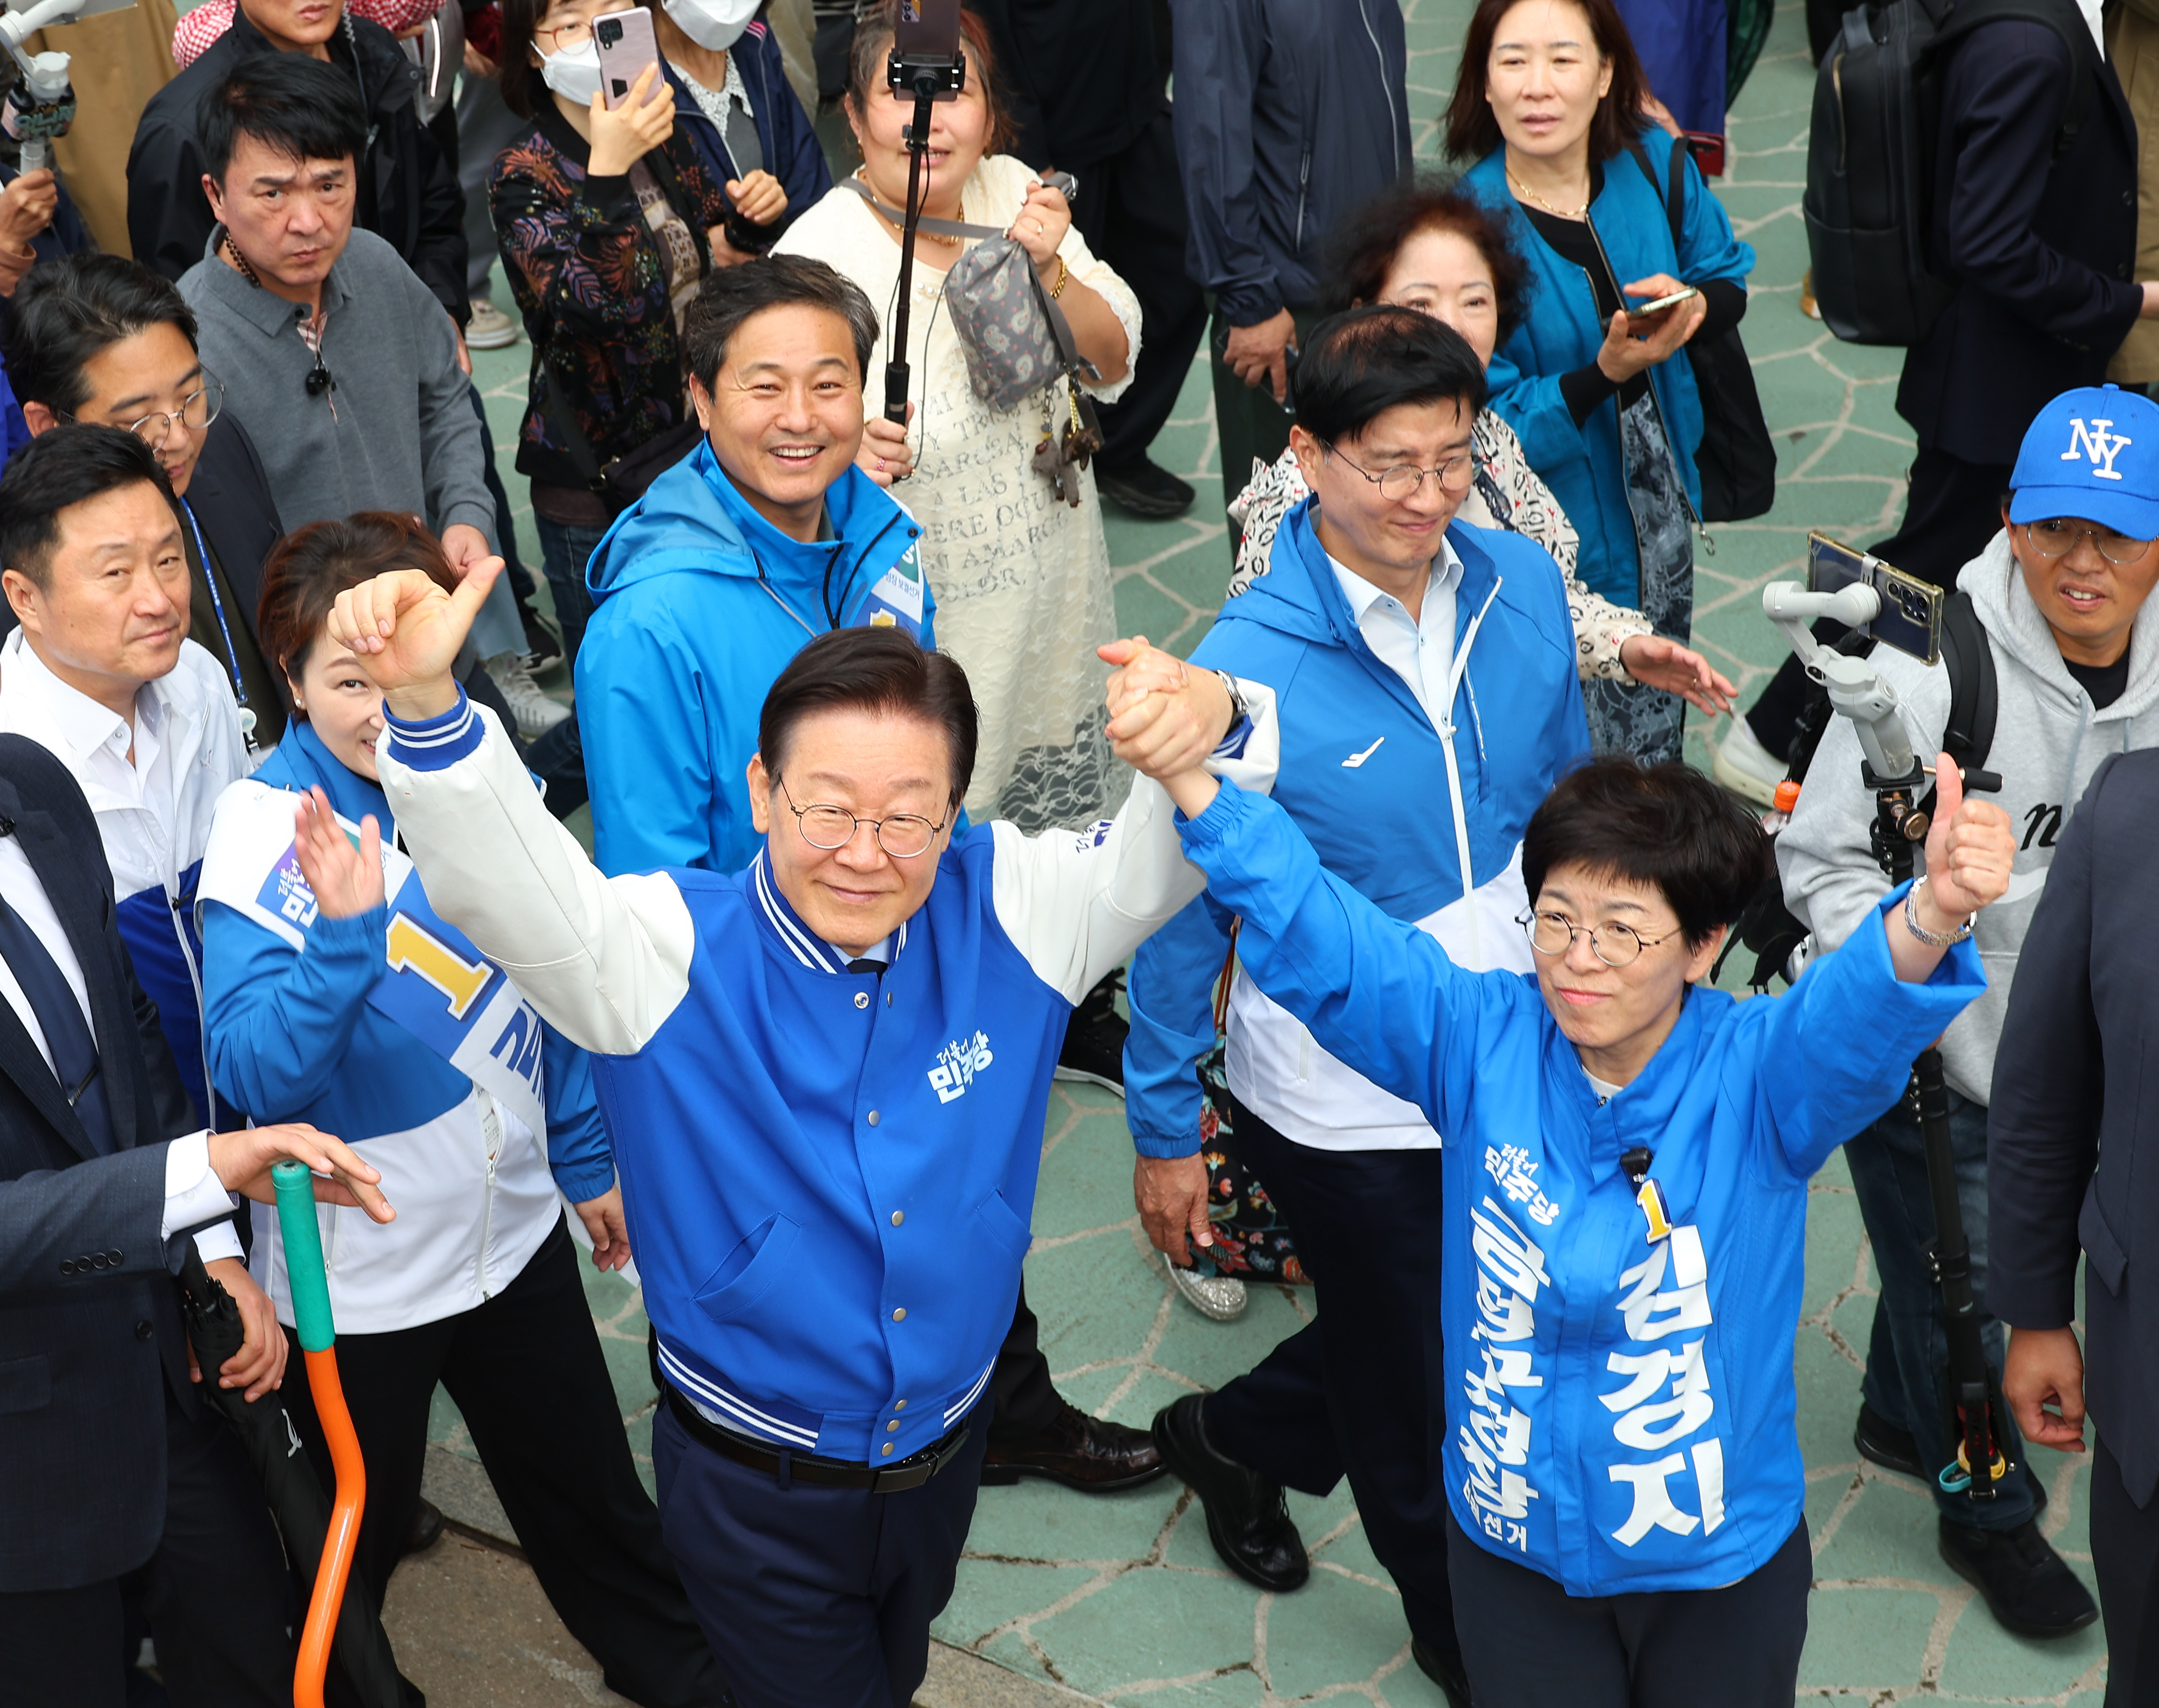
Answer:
(796, 938)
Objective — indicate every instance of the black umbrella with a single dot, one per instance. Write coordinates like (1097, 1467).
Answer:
(294, 1492)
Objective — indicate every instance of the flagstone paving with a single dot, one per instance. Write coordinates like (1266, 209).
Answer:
(1122, 1597)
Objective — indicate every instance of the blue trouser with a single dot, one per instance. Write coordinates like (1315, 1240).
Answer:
(1908, 1355)
(814, 1597)
(563, 551)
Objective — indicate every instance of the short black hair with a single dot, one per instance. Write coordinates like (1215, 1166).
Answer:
(70, 465)
(70, 310)
(1357, 366)
(303, 109)
(1663, 825)
(732, 294)
(873, 669)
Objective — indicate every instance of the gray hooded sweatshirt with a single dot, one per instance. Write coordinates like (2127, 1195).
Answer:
(2049, 739)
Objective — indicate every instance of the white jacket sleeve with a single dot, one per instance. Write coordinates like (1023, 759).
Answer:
(1076, 903)
(605, 961)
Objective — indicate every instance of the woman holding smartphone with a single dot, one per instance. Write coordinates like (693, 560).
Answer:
(1548, 104)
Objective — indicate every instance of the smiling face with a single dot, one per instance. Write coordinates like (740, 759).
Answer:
(2090, 602)
(1443, 274)
(784, 413)
(296, 26)
(155, 372)
(1545, 77)
(872, 765)
(958, 131)
(342, 707)
(291, 219)
(1617, 1016)
(1388, 541)
(113, 609)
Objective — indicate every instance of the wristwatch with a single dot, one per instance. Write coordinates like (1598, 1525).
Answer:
(1240, 712)
(1933, 940)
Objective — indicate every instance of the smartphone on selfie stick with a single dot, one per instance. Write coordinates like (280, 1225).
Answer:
(925, 63)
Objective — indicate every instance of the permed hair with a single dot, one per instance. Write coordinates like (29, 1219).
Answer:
(1362, 250)
(1356, 367)
(70, 310)
(877, 670)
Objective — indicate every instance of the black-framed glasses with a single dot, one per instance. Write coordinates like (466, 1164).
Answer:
(905, 836)
(2057, 536)
(1456, 475)
(197, 411)
(1611, 943)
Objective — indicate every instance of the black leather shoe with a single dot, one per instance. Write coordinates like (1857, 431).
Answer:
(1890, 1447)
(427, 1529)
(1447, 1671)
(1247, 1520)
(1145, 488)
(2026, 1585)
(1094, 1047)
(1086, 1453)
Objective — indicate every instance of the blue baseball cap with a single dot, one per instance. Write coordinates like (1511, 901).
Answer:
(2094, 454)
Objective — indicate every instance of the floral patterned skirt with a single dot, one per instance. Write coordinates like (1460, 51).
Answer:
(1252, 1241)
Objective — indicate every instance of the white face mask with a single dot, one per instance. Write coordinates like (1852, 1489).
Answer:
(714, 25)
(574, 76)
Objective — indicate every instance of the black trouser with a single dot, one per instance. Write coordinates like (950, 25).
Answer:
(221, 1604)
(1027, 1400)
(1363, 1390)
(1251, 424)
(1130, 210)
(1952, 510)
(526, 1372)
(1527, 1644)
(2125, 1545)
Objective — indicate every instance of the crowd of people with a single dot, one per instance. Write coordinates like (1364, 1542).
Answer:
(1418, 899)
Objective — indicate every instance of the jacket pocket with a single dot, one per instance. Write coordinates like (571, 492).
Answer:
(748, 1271)
(26, 1385)
(2108, 1261)
(1009, 1234)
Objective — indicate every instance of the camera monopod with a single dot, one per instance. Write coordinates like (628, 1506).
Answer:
(40, 105)
(1972, 1405)
(925, 63)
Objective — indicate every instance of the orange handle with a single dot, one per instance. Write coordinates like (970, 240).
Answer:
(344, 1538)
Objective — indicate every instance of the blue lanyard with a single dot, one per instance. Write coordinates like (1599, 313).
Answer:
(224, 629)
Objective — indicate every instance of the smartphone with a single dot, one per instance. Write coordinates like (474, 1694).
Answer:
(925, 37)
(1910, 618)
(1662, 304)
(627, 45)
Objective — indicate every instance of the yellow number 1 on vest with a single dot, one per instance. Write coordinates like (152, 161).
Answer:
(413, 948)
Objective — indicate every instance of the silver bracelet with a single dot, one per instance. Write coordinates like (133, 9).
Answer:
(1933, 940)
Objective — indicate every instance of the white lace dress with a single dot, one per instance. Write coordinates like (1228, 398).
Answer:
(1508, 495)
(1021, 578)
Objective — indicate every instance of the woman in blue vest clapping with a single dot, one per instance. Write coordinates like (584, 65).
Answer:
(364, 1010)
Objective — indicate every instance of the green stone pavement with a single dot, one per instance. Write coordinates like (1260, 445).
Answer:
(1120, 1597)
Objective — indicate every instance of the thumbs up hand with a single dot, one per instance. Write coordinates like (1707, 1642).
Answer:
(406, 633)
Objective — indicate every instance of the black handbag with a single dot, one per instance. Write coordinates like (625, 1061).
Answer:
(1736, 460)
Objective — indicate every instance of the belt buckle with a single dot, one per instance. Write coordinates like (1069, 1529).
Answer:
(897, 1479)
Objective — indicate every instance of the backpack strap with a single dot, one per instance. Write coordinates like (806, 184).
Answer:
(1967, 737)
(2056, 15)
(1674, 200)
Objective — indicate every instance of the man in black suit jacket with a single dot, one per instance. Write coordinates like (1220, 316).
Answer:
(2072, 1163)
(113, 1465)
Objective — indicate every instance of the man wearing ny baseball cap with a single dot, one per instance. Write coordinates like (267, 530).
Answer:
(2061, 592)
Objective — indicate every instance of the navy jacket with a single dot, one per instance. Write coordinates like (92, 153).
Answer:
(2072, 1146)
(791, 151)
(2045, 248)
(1288, 114)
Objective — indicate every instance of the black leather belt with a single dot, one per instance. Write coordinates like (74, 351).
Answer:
(785, 1467)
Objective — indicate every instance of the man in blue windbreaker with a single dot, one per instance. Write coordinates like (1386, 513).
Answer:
(767, 535)
(826, 1077)
(1425, 684)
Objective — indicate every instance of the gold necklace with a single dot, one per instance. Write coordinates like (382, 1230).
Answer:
(1523, 190)
(899, 225)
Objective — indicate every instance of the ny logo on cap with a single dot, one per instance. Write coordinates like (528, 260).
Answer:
(2098, 445)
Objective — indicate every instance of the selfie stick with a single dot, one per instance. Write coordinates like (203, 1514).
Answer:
(926, 75)
(311, 1317)
(1895, 774)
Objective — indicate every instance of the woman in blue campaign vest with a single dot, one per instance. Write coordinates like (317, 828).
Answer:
(1627, 1161)
(371, 1017)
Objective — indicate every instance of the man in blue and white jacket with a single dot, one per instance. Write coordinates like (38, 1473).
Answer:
(826, 1077)
(1428, 696)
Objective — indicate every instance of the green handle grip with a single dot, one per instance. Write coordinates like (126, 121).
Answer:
(304, 1255)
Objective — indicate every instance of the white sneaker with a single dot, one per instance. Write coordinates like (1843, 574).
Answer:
(1747, 768)
(537, 714)
(1219, 1297)
(490, 329)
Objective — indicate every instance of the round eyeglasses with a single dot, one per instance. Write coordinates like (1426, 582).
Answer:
(197, 411)
(1613, 944)
(905, 836)
(565, 38)
(2057, 536)
(1456, 475)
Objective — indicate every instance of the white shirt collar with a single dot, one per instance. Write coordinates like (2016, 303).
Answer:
(70, 715)
(1445, 574)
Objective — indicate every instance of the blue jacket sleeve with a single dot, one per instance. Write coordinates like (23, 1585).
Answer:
(659, 795)
(1376, 991)
(281, 1020)
(1171, 996)
(1836, 1050)
(1709, 248)
(577, 1148)
(1216, 46)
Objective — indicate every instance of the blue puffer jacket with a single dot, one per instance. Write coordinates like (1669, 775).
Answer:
(1621, 1405)
(699, 603)
(1561, 333)
(1383, 822)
